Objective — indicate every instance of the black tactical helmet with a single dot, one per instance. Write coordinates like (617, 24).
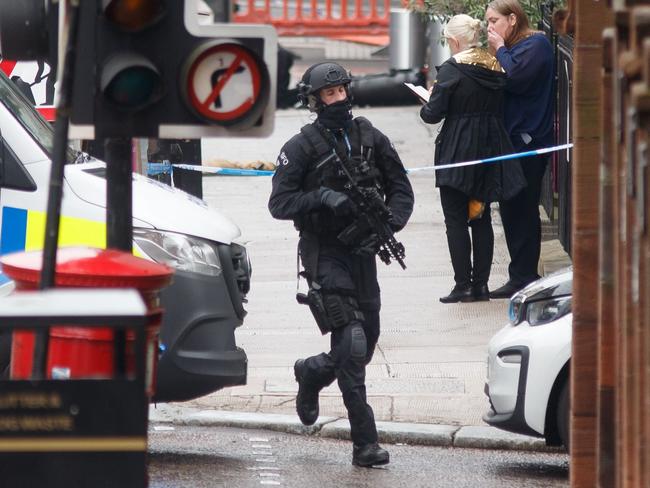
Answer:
(317, 77)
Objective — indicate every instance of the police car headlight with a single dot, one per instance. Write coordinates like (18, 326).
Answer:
(178, 251)
(545, 311)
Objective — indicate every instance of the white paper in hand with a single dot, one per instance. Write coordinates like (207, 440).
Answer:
(420, 91)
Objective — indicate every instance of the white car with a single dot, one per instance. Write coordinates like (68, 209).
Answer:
(529, 360)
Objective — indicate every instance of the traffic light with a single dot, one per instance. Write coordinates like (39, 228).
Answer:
(128, 80)
(146, 68)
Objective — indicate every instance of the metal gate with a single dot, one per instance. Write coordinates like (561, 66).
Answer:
(562, 161)
(556, 187)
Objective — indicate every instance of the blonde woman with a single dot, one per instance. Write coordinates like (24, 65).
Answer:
(468, 95)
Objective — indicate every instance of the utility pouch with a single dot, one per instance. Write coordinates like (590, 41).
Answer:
(338, 310)
(314, 299)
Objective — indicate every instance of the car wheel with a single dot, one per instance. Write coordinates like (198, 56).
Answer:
(563, 406)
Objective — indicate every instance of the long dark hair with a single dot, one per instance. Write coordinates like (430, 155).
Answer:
(522, 27)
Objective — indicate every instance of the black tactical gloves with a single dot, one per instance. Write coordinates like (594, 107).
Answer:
(338, 202)
(369, 246)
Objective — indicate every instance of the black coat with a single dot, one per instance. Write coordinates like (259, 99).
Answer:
(468, 94)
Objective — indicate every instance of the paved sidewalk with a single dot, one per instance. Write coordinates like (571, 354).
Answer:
(430, 363)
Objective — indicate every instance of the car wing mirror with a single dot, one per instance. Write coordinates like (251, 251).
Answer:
(24, 88)
(13, 174)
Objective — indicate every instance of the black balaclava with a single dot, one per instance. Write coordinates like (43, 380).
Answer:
(336, 115)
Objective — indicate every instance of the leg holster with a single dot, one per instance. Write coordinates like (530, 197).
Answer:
(330, 310)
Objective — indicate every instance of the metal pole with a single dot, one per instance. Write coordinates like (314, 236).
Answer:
(119, 218)
(119, 200)
(55, 194)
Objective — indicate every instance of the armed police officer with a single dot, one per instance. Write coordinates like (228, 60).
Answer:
(342, 183)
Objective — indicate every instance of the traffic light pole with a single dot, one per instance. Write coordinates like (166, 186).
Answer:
(55, 195)
(119, 193)
(119, 215)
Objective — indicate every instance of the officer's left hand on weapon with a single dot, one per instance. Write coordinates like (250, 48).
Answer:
(338, 202)
(369, 246)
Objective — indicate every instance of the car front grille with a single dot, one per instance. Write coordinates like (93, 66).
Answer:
(242, 268)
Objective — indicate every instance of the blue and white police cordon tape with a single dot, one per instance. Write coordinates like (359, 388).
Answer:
(495, 159)
(154, 169)
(226, 171)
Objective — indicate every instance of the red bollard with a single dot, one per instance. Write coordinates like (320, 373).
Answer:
(77, 352)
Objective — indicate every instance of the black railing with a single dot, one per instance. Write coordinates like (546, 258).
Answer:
(556, 187)
(563, 160)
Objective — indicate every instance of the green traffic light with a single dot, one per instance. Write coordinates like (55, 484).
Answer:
(130, 81)
(133, 87)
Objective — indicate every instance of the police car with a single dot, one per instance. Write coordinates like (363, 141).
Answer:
(204, 304)
(529, 360)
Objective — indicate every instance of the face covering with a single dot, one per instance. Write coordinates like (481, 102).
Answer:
(336, 115)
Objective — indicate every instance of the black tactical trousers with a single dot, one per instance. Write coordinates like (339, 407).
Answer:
(462, 250)
(522, 224)
(353, 345)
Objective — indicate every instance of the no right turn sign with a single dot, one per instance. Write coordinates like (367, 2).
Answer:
(226, 84)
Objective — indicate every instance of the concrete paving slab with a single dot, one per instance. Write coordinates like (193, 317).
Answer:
(393, 433)
(466, 370)
(379, 386)
(458, 409)
(492, 438)
(331, 405)
(419, 434)
(228, 401)
(438, 354)
(280, 377)
(244, 420)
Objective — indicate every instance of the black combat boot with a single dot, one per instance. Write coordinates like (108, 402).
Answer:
(369, 455)
(307, 397)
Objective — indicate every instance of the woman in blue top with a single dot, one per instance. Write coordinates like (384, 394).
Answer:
(527, 58)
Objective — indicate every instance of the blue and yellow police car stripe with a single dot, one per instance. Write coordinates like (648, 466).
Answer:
(24, 230)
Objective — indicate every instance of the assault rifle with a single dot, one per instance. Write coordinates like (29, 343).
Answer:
(373, 216)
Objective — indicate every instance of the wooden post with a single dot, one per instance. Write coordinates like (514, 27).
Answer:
(592, 18)
(606, 329)
(620, 286)
(637, 244)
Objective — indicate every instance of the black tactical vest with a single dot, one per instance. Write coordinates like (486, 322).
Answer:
(318, 143)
